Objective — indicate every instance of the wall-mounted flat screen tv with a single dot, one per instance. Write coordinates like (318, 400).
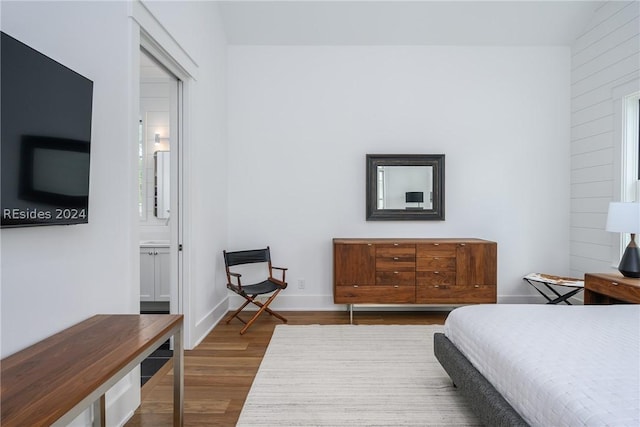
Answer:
(45, 120)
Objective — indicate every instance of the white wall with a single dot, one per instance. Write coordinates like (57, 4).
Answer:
(68, 257)
(605, 65)
(197, 27)
(53, 277)
(301, 120)
(49, 278)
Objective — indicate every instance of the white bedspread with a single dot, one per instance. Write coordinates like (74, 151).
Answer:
(557, 365)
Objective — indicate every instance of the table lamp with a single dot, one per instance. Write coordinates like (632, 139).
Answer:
(624, 217)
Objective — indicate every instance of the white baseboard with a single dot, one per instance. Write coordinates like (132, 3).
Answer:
(207, 323)
(325, 303)
(291, 303)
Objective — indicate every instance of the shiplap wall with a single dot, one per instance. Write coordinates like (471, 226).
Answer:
(605, 58)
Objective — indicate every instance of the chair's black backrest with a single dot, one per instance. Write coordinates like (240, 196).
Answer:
(247, 257)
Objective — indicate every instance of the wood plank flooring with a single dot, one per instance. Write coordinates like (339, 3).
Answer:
(219, 372)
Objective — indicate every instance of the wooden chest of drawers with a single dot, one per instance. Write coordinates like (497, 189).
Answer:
(414, 271)
(606, 288)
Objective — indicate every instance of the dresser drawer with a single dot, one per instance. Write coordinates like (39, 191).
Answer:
(396, 250)
(451, 294)
(395, 278)
(425, 278)
(375, 294)
(613, 288)
(395, 264)
(436, 263)
(436, 249)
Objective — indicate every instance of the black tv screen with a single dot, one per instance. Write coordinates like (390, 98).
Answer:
(45, 120)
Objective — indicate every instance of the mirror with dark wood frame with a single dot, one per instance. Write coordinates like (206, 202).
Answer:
(405, 187)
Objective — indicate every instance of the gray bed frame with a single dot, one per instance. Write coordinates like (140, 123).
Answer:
(487, 403)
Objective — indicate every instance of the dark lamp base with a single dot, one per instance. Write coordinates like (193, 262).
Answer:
(630, 262)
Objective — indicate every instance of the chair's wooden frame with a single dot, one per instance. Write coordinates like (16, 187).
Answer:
(251, 297)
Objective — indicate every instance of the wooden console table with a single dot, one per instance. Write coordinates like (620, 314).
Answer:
(56, 379)
(414, 271)
(611, 288)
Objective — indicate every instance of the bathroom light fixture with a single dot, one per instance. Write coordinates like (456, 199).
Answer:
(158, 138)
(624, 217)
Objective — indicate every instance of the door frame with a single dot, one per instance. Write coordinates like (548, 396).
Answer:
(176, 176)
(151, 36)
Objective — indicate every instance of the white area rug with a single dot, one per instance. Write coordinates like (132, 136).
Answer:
(348, 375)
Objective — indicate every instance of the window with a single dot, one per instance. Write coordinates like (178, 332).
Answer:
(631, 149)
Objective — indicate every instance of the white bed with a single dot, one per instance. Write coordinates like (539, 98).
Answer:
(556, 365)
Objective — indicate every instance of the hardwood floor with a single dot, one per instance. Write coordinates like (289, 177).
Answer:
(220, 371)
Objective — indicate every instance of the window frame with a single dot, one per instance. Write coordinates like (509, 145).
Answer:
(630, 183)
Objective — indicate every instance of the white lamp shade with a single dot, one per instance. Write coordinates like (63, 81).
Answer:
(624, 217)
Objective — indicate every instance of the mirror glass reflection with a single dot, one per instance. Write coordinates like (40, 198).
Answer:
(405, 187)
(162, 202)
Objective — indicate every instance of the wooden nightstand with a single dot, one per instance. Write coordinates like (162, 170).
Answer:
(610, 288)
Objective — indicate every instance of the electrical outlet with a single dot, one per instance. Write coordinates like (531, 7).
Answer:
(301, 284)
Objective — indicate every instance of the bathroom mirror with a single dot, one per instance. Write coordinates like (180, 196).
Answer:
(162, 180)
(405, 187)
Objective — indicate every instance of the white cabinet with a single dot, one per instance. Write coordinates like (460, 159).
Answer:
(154, 274)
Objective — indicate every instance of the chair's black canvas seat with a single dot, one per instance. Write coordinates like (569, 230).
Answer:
(261, 288)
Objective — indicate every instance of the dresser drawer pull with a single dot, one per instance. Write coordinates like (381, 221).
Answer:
(476, 286)
(436, 286)
(436, 244)
(396, 286)
(355, 286)
(436, 272)
(395, 272)
(395, 258)
(463, 244)
(395, 244)
(615, 283)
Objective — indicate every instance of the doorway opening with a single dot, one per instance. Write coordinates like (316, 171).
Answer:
(157, 144)
(158, 184)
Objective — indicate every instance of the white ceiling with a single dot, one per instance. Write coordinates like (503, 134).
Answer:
(363, 22)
